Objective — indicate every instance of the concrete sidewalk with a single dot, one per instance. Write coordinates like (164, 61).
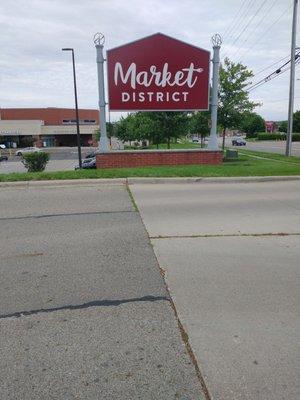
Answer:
(231, 255)
(84, 312)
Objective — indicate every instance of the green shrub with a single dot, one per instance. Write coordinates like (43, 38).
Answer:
(271, 136)
(252, 135)
(35, 162)
(296, 137)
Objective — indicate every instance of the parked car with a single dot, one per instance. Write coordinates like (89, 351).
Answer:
(27, 150)
(88, 163)
(238, 142)
(91, 155)
(2, 146)
(3, 158)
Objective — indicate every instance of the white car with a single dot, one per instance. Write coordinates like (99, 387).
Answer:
(2, 146)
(27, 150)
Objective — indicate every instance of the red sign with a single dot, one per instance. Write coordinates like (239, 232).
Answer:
(158, 73)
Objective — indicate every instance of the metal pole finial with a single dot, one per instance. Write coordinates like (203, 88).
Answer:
(99, 39)
(216, 40)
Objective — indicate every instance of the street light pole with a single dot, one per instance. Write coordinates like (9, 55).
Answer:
(292, 84)
(76, 107)
(213, 138)
(99, 42)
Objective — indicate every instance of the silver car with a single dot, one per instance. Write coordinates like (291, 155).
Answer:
(27, 150)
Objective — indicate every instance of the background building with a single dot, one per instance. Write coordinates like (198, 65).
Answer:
(44, 127)
(271, 126)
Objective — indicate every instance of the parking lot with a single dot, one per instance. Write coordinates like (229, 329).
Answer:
(61, 159)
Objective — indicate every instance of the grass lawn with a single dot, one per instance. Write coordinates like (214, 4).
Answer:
(271, 156)
(244, 166)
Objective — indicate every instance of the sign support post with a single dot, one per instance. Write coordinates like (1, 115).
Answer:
(99, 42)
(213, 138)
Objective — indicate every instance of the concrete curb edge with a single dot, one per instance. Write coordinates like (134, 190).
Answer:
(132, 181)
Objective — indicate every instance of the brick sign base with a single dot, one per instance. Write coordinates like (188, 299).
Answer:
(143, 158)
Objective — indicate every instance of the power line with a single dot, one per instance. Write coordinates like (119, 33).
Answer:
(274, 74)
(271, 65)
(234, 19)
(262, 35)
(240, 18)
(249, 22)
(270, 76)
(266, 80)
(238, 21)
(256, 26)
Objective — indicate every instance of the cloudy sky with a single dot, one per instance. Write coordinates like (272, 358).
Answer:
(34, 72)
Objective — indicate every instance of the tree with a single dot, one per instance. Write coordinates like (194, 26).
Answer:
(282, 126)
(124, 129)
(157, 127)
(169, 124)
(199, 124)
(233, 98)
(252, 123)
(296, 121)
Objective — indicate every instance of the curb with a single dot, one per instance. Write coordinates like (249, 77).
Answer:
(133, 181)
(67, 182)
(242, 179)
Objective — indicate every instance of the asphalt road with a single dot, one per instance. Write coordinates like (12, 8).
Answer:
(231, 258)
(84, 312)
(268, 146)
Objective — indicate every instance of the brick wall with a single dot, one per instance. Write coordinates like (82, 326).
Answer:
(139, 158)
(50, 116)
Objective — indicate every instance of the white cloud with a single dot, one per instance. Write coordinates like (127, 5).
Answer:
(34, 72)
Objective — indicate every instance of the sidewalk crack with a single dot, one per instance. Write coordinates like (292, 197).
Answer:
(95, 303)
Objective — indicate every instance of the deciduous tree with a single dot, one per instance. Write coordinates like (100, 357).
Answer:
(233, 96)
(252, 123)
(199, 124)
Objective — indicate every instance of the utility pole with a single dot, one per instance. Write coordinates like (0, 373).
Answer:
(213, 138)
(99, 42)
(76, 107)
(292, 84)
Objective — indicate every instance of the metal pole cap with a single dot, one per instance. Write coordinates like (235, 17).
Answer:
(99, 39)
(216, 40)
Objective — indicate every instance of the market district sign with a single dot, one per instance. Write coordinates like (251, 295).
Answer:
(158, 73)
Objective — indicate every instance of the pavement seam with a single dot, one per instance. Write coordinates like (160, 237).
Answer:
(215, 235)
(185, 339)
(66, 215)
(131, 198)
(183, 333)
(95, 303)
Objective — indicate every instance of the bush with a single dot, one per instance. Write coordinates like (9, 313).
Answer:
(277, 136)
(252, 135)
(271, 136)
(35, 162)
